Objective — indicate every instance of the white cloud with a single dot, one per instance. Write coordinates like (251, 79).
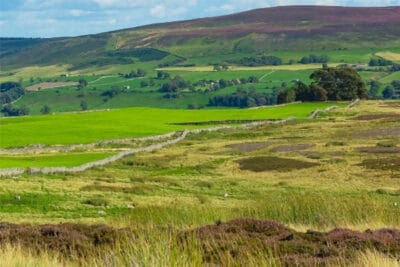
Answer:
(38, 4)
(112, 21)
(76, 12)
(179, 11)
(121, 3)
(105, 3)
(172, 11)
(158, 11)
(227, 7)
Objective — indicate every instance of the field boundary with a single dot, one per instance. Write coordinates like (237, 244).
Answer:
(66, 148)
(317, 112)
(120, 155)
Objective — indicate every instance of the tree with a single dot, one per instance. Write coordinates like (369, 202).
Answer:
(318, 93)
(314, 59)
(141, 72)
(9, 110)
(144, 84)
(258, 61)
(82, 83)
(162, 75)
(223, 83)
(342, 83)
(242, 98)
(113, 91)
(174, 85)
(45, 109)
(10, 91)
(373, 89)
(221, 67)
(286, 96)
(396, 85)
(303, 92)
(389, 92)
(84, 105)
(379, 62)
(252, 79)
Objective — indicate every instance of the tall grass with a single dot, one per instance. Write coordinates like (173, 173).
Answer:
(16, 256)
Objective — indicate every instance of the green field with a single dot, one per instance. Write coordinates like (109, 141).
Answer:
(74, 128)
(42, 160)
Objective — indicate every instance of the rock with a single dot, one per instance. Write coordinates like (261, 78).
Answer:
(101, 212)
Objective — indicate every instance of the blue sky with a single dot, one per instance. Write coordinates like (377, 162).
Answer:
(53, 18)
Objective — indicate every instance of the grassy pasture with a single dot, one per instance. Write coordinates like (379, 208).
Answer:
(391, 77)
(50, 160)
(34, 71)
(87, 127)
(389, 55)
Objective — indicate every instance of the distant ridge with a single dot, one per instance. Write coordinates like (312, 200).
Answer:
(284, 28)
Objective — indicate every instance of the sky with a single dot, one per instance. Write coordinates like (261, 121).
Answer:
(55, 18)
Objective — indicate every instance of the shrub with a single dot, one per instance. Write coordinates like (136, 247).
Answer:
(96, 202)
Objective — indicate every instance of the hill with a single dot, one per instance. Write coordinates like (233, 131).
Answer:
(293, 28)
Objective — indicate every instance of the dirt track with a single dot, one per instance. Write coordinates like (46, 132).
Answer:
(48, 85)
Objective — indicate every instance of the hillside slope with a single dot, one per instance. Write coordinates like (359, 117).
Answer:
(268, 29)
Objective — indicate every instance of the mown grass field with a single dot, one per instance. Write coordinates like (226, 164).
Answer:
(201, 181)
(84, 127)
(50, 160)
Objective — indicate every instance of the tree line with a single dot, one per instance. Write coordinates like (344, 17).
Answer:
(276, 61)
(175, 86)
(10, 91)
(243, 99)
